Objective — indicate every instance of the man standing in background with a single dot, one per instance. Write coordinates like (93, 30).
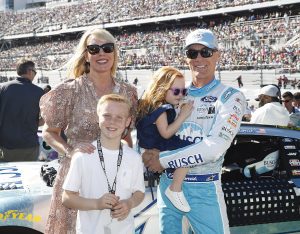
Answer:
(270, 111)
(19, 115)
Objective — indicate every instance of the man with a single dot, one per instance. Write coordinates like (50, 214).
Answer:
(296, 102)
(19, 115)
(270, 111)
(287, 101)
(240, 82)
(294, 113)
(215, 120)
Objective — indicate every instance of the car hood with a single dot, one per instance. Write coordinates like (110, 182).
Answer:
(21, 178)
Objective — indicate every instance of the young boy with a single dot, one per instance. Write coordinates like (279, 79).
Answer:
(106, 185)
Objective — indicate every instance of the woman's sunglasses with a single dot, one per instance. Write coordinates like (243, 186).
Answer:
(204, 52)
(95, 49)
(177, 91)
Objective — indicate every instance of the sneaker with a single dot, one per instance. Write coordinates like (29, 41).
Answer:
(178, 200)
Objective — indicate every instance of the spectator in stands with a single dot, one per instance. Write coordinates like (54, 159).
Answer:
(287, 101)
(20, 115)
(70, 109)
(270, 111)
(47, 88)
(214, 122)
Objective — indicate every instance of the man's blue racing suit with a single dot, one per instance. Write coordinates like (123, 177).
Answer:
(214, 122)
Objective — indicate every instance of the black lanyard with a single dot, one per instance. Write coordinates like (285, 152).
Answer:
(111, 189)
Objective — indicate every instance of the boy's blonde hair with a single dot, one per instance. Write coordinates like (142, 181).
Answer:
(114, 98)
(155, 94)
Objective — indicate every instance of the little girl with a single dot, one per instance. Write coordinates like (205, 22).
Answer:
(157, 123)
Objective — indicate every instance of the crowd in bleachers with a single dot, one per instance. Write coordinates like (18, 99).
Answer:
(247, 43)
(102, 11)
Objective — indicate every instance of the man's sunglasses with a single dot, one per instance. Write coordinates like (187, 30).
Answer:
(95, 49)
(287, 100)
(177, 91)
(204, 52)
(32, 69)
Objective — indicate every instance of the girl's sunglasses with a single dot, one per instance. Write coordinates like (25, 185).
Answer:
(177, 91)
(204, 52)
(95, 49)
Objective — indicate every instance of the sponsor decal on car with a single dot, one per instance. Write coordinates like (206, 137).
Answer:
(296, 172)
(290, 147)
(287, 140)
(16, 214)
(292, 154)
(261, 131)
(294, 162)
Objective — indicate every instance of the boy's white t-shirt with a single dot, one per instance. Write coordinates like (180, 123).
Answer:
(86, 176)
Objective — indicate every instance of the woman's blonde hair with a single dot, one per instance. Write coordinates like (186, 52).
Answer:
(78, 65)
(155, 94)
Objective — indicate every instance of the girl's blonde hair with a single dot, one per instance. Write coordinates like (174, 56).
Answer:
(77, 65)
(155, 94)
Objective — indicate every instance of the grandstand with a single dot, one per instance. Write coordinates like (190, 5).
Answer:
(256, 35)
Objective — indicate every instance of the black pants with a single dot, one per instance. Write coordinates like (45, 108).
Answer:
(19, 155)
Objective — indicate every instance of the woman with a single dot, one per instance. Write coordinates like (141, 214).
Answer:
(70, 109)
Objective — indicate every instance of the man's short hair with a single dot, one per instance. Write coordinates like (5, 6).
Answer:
(297, 95)
(23, 66)
(288, 95)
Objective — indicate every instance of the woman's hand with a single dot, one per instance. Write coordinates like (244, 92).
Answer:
(83, 147)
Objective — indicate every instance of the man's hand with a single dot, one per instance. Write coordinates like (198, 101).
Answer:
(151, 160)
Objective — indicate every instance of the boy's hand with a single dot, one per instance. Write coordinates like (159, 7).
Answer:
(121, 210)
(107, 201)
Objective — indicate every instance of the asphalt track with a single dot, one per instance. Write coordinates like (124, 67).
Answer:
(252, 79)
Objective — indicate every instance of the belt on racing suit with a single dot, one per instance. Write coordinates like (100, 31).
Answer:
(191, 178)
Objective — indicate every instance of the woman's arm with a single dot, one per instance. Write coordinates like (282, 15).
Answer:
(53, 138)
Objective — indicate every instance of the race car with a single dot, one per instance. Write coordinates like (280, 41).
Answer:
(260, 180)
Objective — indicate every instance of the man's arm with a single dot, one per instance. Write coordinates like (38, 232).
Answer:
(72, 200)
(213, 146)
